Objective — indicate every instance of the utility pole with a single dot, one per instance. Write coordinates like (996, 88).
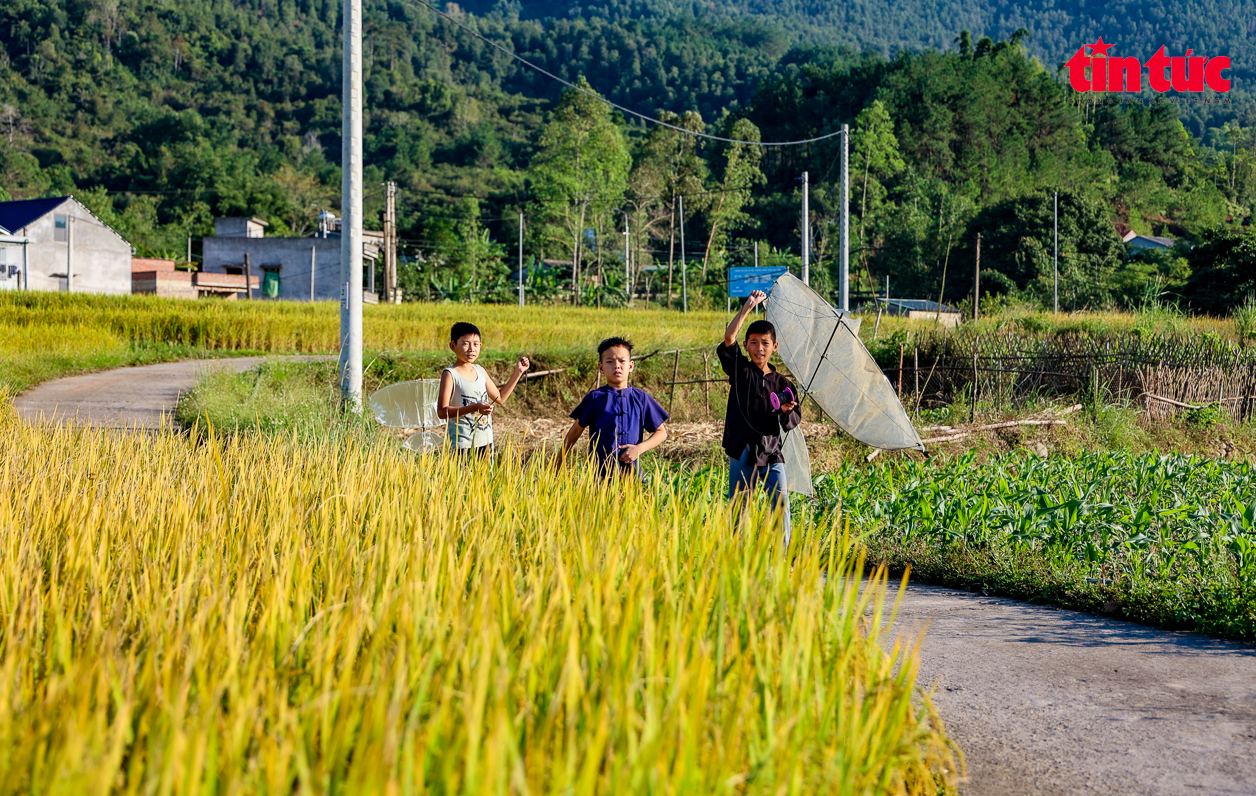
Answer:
(684, 280)
(976, 281)
(627, 267)
(390, 245)
(521, 259)
(1055, 259)
(189, 250)
(844, 264)
(69, 253)
(351, 212)
(313, 264)
(806, 232)
(248, 276)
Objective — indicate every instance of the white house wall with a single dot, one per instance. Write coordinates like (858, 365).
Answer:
(102, 260)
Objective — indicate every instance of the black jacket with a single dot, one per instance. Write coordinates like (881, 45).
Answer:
(750, 419)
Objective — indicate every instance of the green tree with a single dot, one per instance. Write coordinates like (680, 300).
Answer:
(580, 171)
(670, 166)
(741, 174)
(1223, 270)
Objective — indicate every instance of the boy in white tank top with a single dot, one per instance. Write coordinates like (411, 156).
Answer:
(468, 394)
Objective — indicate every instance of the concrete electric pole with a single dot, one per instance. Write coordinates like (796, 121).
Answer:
(976, 282)
(627, 266)
(806, 231)
(1055, 258)
(351, 212)
(843, 279)
(684, 277)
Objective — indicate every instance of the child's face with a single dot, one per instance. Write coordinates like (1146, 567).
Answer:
(616, 365)
(760, 348)
(466, 348)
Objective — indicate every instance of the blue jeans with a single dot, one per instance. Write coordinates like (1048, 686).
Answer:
(742, 475)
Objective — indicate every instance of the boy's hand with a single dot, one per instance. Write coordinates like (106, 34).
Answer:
(789, 407)
(629, 453)
(757, 297)
(523, 364)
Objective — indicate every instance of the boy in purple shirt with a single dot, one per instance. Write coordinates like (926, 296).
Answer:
(617, 416)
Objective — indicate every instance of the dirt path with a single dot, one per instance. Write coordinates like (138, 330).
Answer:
(139, 397)
(1045, 701)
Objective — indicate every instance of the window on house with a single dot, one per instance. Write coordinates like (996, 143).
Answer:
(58, 227)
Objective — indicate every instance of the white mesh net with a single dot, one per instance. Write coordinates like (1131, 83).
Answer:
(830, 364)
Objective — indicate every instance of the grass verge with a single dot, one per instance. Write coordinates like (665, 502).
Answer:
(288, 614)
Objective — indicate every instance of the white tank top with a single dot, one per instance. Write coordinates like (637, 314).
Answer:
(472, 430)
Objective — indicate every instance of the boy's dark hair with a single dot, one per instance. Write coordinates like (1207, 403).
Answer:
(462, 329)
(761, 327)
(613, 342)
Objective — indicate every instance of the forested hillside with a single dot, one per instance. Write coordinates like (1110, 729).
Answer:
(164, 114)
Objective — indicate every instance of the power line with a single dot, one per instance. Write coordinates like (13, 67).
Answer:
(614, 105)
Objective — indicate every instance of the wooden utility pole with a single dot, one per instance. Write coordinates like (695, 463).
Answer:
(976, 281)
(248, 276)
(390, 246)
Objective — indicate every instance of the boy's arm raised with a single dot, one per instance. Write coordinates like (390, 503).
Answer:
(520, 368)
(734, 326)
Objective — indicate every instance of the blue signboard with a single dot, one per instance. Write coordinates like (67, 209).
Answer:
(741, 281)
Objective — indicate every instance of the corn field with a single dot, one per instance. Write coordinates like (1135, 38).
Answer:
(222, 615)
(1173, 537)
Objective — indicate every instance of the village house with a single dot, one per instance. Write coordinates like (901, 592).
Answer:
(58, 244)
(1137, 241)
(296, 269)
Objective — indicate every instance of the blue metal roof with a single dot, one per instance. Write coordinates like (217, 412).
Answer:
(15, 215)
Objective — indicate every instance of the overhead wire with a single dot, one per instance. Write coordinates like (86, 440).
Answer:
(615, 105)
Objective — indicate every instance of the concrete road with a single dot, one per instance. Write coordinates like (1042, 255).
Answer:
(1044, 701)
(141, 397)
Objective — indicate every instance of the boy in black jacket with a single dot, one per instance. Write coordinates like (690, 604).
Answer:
(754, 422)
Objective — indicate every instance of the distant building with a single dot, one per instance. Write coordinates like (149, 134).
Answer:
(947, 315)
(296, 269)
(160, 278)
(58, 244)
(1137, 241)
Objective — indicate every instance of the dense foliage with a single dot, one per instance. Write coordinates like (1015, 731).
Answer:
(162, 116)
(1171, 539)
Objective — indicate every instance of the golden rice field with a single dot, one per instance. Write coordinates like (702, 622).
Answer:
(424, 327)
(253, 615)
(315, 327)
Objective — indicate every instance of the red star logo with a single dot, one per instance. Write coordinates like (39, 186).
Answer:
(1099, 48)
